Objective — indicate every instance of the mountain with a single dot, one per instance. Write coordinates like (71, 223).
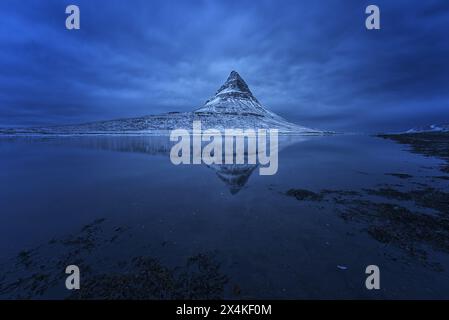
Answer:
(233, 106)
(234, 97)
(235, 176)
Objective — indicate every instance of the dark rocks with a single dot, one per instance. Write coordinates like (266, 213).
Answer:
(400, 175)
(301, 194)
(431, 144)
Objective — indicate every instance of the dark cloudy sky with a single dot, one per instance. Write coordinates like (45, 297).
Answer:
(312, 62)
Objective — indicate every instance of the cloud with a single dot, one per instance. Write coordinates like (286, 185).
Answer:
(314, 63)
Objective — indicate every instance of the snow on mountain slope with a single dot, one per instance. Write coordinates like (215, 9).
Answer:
(234, 96)
(235, 99)
(430, 128)
(233, 106)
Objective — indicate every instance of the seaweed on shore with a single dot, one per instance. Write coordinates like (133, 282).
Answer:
(427, 197)
(441, 177)
(140, 277)
(397, 225)
(430, 144)
(302, 194)
(199, 278)
(400, 175)
(412, 231)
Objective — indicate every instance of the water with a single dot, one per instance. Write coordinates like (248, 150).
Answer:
(100, 202)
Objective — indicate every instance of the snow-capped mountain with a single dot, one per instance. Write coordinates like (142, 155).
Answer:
(430, 128)
(235, 103)
(235, 97)
(233, 106)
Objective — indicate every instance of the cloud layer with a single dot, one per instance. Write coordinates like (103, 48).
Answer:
(311, 61)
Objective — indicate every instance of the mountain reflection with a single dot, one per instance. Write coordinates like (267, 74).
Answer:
(235, 176)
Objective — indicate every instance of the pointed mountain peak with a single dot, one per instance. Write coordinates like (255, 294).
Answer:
(234, 97)
(234, 75)
(234, 84)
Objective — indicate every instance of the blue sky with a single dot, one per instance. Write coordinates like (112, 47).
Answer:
(312, 62)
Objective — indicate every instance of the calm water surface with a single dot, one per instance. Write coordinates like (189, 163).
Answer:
(102, 202)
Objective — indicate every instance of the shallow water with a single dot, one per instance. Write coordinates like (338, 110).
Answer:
(100, 202)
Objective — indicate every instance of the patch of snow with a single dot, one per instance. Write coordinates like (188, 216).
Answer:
(430, 128)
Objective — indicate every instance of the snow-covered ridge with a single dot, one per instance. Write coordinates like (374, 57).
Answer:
(430, 128)
(233, 106)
